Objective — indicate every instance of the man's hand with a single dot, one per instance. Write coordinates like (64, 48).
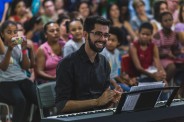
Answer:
(106, 97)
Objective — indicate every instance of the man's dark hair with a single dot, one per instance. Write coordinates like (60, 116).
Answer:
(118, 32)
(90, 22)
(146, 25)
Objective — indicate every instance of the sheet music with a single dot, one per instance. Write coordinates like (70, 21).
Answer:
(131, 100)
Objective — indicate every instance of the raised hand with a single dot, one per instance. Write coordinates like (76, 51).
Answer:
(11, 45)
(24, 43)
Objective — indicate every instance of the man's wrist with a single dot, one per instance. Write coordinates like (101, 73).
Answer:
(96, 101)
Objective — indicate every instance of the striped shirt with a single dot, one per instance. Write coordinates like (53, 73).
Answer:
(165, 43)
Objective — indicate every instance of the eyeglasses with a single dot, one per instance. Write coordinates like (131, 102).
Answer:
(99, 34)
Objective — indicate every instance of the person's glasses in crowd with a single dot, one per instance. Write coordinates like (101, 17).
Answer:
(99, 34)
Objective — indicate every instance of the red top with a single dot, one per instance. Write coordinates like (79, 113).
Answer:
(145, 56)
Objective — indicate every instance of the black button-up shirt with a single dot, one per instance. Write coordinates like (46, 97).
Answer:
(77, 78)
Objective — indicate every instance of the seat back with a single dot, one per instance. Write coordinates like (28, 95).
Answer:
(128, 67)
(46, 96)
(8, 110)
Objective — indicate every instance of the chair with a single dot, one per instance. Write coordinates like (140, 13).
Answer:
(128, 67)
(46, 96)
(8, 110)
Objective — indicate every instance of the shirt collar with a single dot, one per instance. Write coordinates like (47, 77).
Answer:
(84, 56)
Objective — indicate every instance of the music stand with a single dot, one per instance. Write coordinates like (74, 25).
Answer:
(147, 99)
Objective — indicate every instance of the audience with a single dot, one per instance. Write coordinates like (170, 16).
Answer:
(49, 54)
(159, 7)
(112, 54)
(84, 9)
(173, 8)
(50, 13)
(75, 28)
(59, 5)
(30, 49)
(56, 40)
(15, 89)
(113, 13)
(141, 16)
(19, 12)
(167, 43)
(64, 36)
(145, 56)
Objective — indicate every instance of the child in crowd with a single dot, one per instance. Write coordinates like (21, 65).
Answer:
(145, 56)
(113, 56)
(15, 89)
(167, 43)
(19, 12)
(75, 28)
(30, 49)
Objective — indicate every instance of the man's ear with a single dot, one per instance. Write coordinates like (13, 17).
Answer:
(85, 34)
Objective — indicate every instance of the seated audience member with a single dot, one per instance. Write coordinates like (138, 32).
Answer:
(49, 54)
(75, 28)
(30, 49)
(60, 6)
(64, 36)
(167, 43)
(145, 56)
(83, 78)
(114, 14)
(160, 6)
(50, 13)
(83, 8)
(112, 54)
(19, 12)
(173, 6)
(141, 16)
(15, 87)
(33, 29)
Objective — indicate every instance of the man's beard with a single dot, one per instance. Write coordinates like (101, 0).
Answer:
(93, 46)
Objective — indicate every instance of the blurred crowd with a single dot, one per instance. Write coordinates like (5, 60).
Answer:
(147, 33)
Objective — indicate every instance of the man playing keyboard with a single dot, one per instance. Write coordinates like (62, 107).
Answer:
(83, 77)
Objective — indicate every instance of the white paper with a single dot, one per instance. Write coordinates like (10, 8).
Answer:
(131, 100)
